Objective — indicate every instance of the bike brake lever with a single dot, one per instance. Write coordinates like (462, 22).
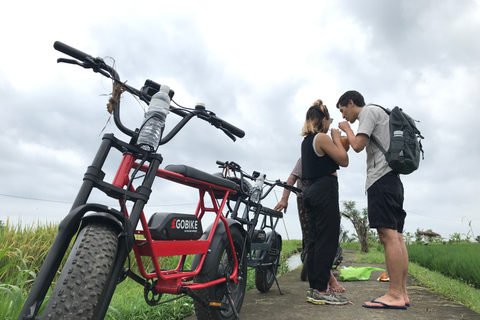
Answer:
(231, 136)
(87, 65)
(69, 61)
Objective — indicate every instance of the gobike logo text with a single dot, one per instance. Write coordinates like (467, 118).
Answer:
(184, 224)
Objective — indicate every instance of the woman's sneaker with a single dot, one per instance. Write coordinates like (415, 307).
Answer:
(315, 297)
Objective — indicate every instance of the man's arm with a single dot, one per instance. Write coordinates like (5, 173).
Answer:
(283, 203)
(357, 142)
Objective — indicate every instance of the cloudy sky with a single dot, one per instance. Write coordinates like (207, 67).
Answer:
(258, 65)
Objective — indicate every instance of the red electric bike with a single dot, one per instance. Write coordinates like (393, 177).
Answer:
(215, 277)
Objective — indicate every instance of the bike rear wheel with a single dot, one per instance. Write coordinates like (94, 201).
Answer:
(225, 265)
(265, 276)
(81, 286)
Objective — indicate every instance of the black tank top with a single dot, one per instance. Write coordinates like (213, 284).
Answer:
(313, 166)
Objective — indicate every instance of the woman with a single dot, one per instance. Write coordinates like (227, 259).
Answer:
(321, 158)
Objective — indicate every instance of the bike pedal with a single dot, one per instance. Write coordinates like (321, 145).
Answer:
(218, 305)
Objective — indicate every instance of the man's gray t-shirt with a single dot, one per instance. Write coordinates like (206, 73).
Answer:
(297, 171)
(374, 121)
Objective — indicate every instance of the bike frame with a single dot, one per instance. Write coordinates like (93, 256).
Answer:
(268, 221)
(168, 281)
(174, 281)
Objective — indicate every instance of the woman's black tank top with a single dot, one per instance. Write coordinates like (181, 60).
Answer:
(313, 166)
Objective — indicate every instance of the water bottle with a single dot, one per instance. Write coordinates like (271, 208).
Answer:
(154, 122)
(257, 188)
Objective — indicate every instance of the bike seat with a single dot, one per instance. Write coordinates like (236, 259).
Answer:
(200, 175)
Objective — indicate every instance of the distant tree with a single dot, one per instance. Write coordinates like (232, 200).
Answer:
(1, 224)
(418, 236)
(347, 238)
(477, 239)
(373, 236)
(359, 221)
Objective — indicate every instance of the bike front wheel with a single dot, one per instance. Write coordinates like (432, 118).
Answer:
(264, 276)
(81, 286)
(225, 266)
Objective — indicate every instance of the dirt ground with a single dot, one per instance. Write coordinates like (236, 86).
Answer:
(292, 304)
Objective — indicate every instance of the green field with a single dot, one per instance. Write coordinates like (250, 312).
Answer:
(459, 261)
(23, 249)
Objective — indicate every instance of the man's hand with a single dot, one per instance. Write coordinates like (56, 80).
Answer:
(282, 205)
(345, 127)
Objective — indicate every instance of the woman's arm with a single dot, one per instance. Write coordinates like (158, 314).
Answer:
(333, 147)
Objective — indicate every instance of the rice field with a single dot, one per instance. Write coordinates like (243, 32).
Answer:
(460, 261)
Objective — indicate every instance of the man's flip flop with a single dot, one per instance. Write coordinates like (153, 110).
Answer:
(384, 306)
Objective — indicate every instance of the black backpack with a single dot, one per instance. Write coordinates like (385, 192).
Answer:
(403, 154)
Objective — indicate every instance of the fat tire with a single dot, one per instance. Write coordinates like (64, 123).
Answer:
(265, 276)
(217, 293)
(81, 286)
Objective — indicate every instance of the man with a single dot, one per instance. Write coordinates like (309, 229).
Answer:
(384, 193)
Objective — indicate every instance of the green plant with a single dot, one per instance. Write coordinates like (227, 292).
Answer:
(456, 260)
(418, 236)
(456, 237)
(359, 221)
(19, 279)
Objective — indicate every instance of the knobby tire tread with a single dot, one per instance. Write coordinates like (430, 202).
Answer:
(264, 277)
(81, 285)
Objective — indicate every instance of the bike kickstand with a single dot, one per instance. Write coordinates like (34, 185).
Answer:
(230, 300)
(276, 281)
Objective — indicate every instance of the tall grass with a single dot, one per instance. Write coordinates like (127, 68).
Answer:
(33, 241)
(17, 277)
(459, 261)
(23, 249)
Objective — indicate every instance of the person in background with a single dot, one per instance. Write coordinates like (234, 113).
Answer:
(321, 158)
(296, 177)
(385, 194)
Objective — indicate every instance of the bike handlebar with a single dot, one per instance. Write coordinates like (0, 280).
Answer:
(98, 65)
(236, 168)
(70, 51)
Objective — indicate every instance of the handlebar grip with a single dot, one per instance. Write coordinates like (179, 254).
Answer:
(292, 188)
(220, 163)
(271, 212)
(230, 127)
(77, 54)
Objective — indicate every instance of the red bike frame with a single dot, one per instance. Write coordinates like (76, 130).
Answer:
(172, 281)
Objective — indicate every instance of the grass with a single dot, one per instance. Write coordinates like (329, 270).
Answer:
(24, 247)
(450, 260)
(435, 281)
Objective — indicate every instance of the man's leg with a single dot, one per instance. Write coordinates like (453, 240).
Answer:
(396, 260)
(405, 270)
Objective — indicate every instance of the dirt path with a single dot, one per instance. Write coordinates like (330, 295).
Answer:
(292, 304)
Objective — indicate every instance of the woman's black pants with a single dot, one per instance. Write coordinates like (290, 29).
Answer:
(323, 217)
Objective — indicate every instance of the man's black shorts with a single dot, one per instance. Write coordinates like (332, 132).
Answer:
(385, 203)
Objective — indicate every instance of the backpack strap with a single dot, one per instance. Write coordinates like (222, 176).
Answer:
(378, 145)
(372, 137)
